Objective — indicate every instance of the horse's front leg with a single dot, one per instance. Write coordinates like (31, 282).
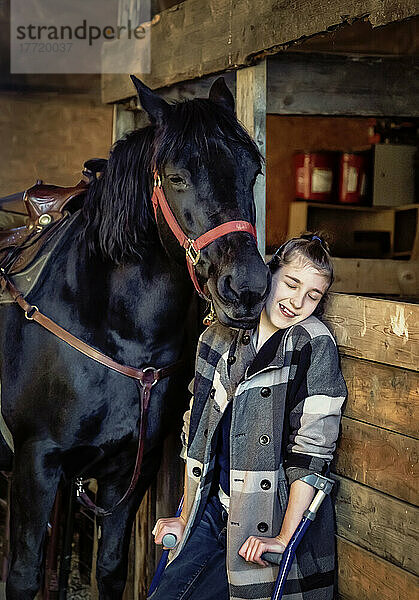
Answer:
(35, 480)
(112, 559)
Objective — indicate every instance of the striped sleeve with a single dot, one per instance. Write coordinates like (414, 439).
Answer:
(184, 436)
(315, 409)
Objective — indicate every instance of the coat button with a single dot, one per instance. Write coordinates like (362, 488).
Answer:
(265, 392)
(246, 339)
(264, 440)
(263, 527)
(265, 484)
(212, 393)
(231, 360)
(196, 471)
(206, 433)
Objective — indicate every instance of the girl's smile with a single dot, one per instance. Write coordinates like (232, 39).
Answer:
(287, 313)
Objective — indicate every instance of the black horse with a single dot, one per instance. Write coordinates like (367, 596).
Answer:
(118, 281)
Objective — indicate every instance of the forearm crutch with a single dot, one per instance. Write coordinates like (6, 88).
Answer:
(323, 485)
(169, 541)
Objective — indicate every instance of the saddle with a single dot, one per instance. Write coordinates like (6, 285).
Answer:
(42, 209)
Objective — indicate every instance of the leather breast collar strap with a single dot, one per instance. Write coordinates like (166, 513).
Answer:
(146, 378)
(193, 247)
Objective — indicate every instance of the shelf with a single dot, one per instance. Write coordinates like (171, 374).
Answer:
(359, 231)
(357, 207)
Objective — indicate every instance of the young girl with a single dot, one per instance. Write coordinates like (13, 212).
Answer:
(265, 412)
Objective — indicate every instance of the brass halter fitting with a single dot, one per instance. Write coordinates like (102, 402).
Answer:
(210, 317)
(157, 180)
(192, 253)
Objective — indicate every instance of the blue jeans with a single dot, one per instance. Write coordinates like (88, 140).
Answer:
(199, 571)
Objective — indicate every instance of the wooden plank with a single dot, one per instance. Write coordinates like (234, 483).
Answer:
(378, 330)
(297, 84)
(197, 38)
(379, 458)
(382, 395)
(251, 111)
(143, 547)
(378, 523)
(376, 276)
(363, 576)
(94, 591)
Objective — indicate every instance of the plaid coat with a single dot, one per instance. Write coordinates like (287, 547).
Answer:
(285, 422)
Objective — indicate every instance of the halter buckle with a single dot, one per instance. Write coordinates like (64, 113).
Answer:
(192, 253)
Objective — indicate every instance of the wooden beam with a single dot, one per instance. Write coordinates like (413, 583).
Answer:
(382, 395)
(377, 330)
(379, 458)
(198, 38)
(399, 38)
(323, 84)
(378, 523)
(251, 111)
(376, 276)
(364, 576)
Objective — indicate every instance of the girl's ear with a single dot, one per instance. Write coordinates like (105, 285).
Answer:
(156, 108)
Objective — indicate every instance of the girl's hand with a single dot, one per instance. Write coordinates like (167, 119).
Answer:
(175, 525)
(254, 547)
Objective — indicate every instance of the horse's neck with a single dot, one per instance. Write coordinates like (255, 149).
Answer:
(143, 304)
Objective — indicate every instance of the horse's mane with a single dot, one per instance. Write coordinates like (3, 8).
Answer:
(118, 217)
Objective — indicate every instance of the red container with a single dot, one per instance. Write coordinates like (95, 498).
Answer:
(352, 178)
(314, 175)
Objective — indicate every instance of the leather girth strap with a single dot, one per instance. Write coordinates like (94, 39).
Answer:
(146, 378)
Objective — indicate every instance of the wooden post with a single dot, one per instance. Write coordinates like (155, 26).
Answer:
(251, 111)
(123, 121)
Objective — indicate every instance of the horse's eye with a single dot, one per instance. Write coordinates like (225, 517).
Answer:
(177, 180)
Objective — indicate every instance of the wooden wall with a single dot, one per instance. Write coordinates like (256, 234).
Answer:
(286, 135)
(377, 458)
(49, 136)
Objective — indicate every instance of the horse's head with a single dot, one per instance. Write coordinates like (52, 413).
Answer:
(208, 165)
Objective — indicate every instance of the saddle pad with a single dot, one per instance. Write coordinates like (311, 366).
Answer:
(26, 280)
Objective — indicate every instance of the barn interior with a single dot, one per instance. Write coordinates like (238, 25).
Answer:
(331, 98)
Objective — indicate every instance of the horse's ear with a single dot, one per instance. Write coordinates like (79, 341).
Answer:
(220, 94)
(152, 103)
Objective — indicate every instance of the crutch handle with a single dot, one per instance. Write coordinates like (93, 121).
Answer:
(272, 557)
(169, 540)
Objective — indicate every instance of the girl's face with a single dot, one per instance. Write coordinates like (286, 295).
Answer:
(296, 290)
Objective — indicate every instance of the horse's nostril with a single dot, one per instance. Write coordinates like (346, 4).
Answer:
(226, 290)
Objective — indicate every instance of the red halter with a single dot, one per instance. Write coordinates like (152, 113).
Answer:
(193, 247)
